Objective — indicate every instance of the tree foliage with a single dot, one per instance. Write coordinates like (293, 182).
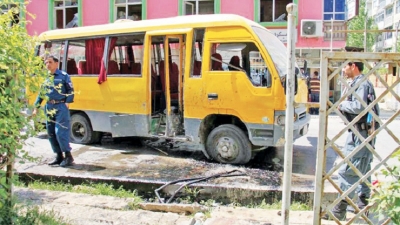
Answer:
(20, 69)
(358, 23)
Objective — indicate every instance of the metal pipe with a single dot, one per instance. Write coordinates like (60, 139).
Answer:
(331, 33)
(395, 37)
(290, 81)
(365, 34)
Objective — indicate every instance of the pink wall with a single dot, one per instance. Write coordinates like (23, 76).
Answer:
(312, 10)
(95, 12)
(39, 24)
(239, 7)
(162, 8)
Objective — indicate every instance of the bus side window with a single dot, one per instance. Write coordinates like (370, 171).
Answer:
(241, 56)
(227, 57)
(126, 56)
(52, 48)
(76, 58)
(197, 52)
(259, 72)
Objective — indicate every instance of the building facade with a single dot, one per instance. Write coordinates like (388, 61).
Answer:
(59, 14)
(386, 15)
(315, 18)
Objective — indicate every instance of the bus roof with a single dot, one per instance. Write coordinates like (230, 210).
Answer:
(127, 26)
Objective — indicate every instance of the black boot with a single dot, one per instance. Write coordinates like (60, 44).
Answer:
(362, 203)
(68, 161)
(339, 211)
(59, 158)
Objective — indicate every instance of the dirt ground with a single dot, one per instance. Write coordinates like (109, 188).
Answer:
(84, 209)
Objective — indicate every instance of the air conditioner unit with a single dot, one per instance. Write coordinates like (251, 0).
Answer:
(311, 28)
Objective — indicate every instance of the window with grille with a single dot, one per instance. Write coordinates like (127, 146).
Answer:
(382, 3)
(128, 9)
(273, 10)
(334, 9)
(398, 7)
(389, 11)
(66, 13)
(6, 7)
(196, 7)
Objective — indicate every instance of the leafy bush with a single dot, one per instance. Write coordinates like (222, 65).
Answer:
(18, 64)
(387, 196)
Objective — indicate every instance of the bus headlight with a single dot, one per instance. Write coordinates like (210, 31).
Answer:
(281, 120)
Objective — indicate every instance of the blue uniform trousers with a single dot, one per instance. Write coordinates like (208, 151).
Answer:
(58, 127)
(314, 98)
(361, 160)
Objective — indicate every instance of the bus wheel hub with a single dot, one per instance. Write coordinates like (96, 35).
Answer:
(227, 148)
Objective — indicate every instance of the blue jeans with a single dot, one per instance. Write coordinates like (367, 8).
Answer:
(58, 127)
(314, 98)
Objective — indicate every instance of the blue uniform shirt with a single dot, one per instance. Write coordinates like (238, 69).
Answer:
(366, 92)
(59, 89)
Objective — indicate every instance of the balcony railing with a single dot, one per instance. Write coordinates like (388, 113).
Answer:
(337, 26)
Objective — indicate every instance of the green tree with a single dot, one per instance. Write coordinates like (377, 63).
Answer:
(356, 39)
(20, 69)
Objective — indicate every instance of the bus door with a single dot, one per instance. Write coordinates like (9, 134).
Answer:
(166, 53)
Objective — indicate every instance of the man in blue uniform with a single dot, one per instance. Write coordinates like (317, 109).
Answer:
(59, 93)
(362, 160)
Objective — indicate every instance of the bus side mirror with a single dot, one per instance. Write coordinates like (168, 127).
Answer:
(268, 79)
(296, 82)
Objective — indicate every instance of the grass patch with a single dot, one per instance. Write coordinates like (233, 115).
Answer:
(189, 198)
(295, 206)
(93, 189)
(30, 215)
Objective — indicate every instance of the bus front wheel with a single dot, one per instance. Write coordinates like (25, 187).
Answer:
(229, 144)
(81, 130)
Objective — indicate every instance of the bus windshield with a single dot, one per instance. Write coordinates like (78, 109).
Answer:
(275, 48)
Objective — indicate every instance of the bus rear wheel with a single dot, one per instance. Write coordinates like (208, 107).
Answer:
(81, 130)
(229, 144)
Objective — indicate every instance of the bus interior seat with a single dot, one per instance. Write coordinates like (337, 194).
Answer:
(71, 67)
(235, 61)
(82, 67)
(124, 68)
(161, 69)
(113, 67)
(174, 78)
(136, 68)
(196, 68)
(215, 65)
(158, 102)
(155, 80)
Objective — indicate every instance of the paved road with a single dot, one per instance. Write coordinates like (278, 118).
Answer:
(305, 148)
(130, 163)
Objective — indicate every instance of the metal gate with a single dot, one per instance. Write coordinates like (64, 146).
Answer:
(332, 64)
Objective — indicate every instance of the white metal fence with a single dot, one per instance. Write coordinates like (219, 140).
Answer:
(332, 64)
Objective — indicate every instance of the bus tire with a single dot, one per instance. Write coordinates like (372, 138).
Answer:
(82, 131)
(229, 144)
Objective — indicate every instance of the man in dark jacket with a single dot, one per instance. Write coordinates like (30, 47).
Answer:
(362, 160)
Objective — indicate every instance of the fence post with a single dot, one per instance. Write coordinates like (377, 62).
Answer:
(290, 80)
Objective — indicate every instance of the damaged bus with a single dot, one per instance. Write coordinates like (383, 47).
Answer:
(216, 81)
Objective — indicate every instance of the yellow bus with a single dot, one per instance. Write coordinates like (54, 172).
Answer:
(217, 81)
